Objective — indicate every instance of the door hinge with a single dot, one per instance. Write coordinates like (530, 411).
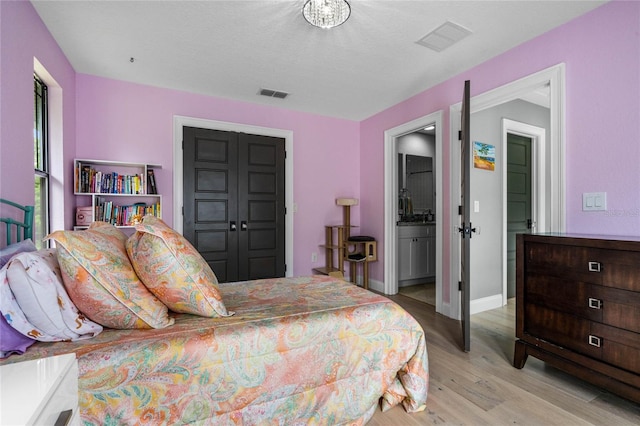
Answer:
(459, 135)
(183, 145)
(182, 210)
(460, 210)
(459, 285)
(285, 267)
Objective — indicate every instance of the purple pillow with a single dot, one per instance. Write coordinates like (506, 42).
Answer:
(12, 341)
(8, 252)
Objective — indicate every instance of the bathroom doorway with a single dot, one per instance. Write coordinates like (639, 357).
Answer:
(393, 178)
(416, 218)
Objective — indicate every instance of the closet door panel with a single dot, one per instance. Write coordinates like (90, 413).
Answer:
(210, 190)
(261, 206)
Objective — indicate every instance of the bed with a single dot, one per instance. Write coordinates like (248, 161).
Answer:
(303, 350)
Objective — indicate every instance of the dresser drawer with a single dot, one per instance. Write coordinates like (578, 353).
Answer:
(619, 347)
(569, 262)
(619, 308)
(561, 329)
(564, 295)
(611, 268)
(621, 269)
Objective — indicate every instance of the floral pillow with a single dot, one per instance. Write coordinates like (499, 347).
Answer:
(100, 280)
(35, 282)
(173, 270)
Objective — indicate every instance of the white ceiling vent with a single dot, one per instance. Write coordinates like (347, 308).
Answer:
(273, 93)
(446, 35)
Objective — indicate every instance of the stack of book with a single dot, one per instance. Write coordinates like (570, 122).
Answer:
(90, 180)
(106, 211)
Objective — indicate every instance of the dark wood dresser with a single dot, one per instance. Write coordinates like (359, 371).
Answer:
(578, 307)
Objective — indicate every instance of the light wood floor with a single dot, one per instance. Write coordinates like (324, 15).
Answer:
(425, 292)
(482, 388)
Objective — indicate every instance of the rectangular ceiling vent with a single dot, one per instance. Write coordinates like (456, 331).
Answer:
(443, 37)
(273, 93)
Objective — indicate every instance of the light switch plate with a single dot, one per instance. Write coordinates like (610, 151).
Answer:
(594, 201)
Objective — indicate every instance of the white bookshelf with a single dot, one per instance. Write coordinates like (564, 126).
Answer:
(115, 190)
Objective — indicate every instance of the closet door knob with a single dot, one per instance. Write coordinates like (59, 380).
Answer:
(232, 226)
(243, 225)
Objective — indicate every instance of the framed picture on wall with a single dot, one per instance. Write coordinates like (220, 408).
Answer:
(484, 156)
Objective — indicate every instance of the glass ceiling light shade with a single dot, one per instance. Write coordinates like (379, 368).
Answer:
(326, 13)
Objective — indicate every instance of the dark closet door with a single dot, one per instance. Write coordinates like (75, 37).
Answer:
(261, 206)
(234, 202)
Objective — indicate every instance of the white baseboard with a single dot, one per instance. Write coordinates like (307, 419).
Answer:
(486, 304)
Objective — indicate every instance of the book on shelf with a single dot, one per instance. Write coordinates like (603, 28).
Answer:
(107, 211)
(90, 180)
(151, 182)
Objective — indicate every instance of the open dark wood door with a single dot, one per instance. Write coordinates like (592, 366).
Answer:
(465, 210)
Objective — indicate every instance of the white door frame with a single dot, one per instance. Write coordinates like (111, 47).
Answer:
(553, 76)
(391, 200)
(179, 122)
(538, 183)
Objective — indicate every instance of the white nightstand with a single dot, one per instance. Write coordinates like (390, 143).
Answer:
(37, 392)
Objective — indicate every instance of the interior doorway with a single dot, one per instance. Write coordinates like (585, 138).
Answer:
(518, 218)
(523, 186)
(416, 217)
(553, 200)
(392, 192)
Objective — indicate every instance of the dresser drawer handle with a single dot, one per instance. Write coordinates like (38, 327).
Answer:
(594, 341)
(594, 266)
(595, 303)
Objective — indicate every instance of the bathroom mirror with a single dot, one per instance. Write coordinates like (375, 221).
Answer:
(418, 180)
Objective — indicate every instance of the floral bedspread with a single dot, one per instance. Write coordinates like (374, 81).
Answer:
(306, 350)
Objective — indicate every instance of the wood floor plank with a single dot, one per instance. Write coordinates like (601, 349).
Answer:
(483, 388)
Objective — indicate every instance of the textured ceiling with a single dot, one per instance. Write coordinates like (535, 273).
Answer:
(232, 49)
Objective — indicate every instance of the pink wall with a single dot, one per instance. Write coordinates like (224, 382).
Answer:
(23, 36)
(130, 122)
(332, 157)
(601, 51)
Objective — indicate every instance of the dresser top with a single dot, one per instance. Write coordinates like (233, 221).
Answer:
(619, 242)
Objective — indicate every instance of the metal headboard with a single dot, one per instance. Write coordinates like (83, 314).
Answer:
(24, 229)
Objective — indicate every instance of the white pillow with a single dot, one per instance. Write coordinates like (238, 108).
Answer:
(35, 281)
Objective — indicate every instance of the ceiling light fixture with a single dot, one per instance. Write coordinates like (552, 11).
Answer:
(326, 13)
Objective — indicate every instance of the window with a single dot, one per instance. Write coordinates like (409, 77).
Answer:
(40, 162)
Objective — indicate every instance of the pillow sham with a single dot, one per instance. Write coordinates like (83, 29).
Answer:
(36, 284)
(22, 247)
(173, 270)
(100, 280)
